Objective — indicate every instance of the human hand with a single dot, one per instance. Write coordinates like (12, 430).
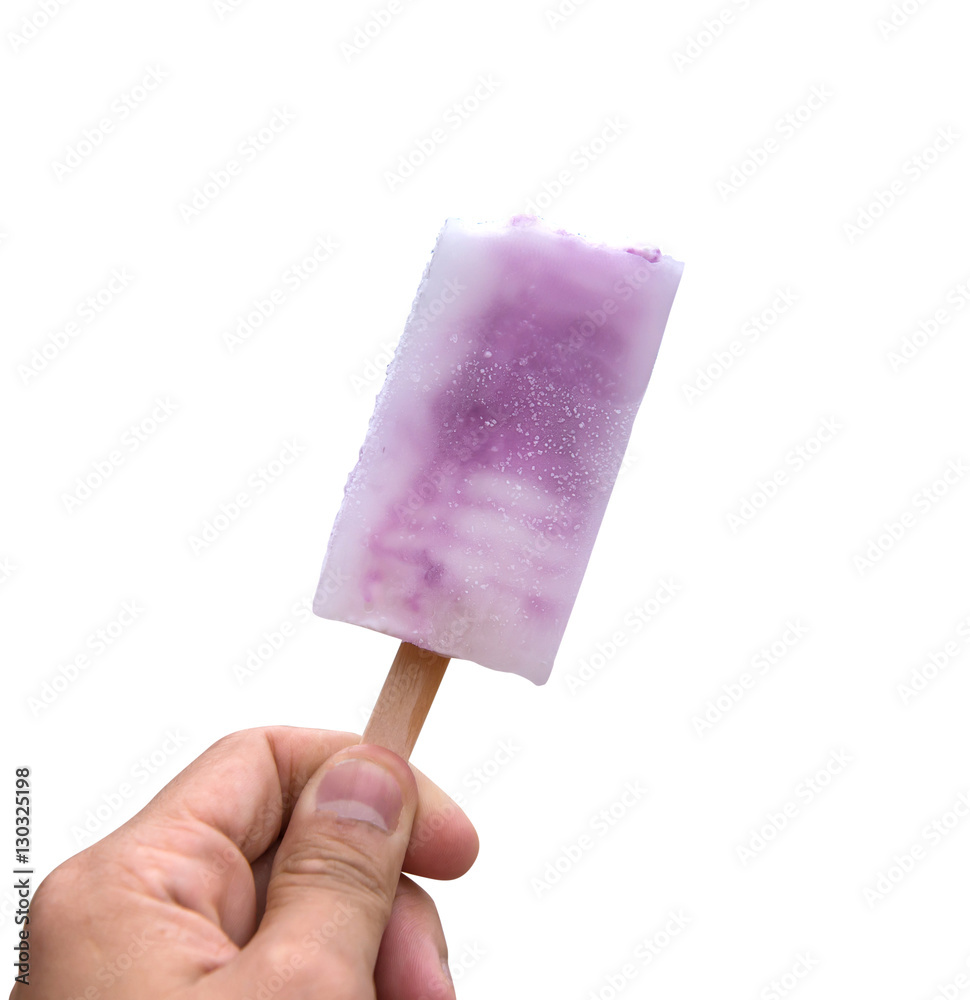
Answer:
(269, 869)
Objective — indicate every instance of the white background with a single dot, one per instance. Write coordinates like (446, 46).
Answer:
(847, 214)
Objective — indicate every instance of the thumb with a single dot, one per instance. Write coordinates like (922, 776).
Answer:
(335, 876)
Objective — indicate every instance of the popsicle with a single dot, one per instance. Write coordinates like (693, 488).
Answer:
(468, 522)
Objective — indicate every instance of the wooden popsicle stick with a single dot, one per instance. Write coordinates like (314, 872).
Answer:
(405, 699)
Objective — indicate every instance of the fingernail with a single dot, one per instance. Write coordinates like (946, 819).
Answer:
(361, 790)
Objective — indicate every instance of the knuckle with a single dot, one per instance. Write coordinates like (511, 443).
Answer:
(241, 738)
(54, 895)
(61, 899)
(339, 866)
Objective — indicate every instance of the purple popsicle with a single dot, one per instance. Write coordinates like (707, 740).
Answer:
(469, 519)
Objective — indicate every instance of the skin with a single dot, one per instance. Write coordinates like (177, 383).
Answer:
(233, 879)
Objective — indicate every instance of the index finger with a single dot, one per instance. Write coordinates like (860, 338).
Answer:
(245, 786)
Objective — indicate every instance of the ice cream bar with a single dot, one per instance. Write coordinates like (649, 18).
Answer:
(468, 521)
